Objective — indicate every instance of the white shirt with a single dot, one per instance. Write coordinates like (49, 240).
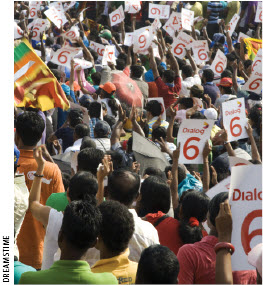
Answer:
(189, 82)
(75, 147)
(102, 144)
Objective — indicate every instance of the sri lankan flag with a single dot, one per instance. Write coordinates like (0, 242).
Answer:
(252, 45)
(34, 84)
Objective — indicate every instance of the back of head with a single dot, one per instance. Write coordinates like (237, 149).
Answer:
(154, 107)
(181, 173)
(187, 102)
(136, 71)
(110, 120)
(82, 130)
(29, 127)
(75, 117)
(226, 73)
(87, 142)
(81, 224)
(157, 265)
(155, 196)
(82, 185)
(158, 133)
(120, 64)
(89, 159)
(208, 74)
(169, 76)
(123, 186)
(154, 171)
(187, 70)
(94, 110)
(214, 206)
(117, 226)
(198, 115)
(96, 77)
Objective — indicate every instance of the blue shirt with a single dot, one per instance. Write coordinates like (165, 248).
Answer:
(19, 269)
(149, 74)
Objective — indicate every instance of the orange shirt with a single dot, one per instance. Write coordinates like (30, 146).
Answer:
(30, 240)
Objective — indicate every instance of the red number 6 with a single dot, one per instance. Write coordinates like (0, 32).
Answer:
(71, 34)
(143, 41)
(32, 12)
(179, 48)
(219, 67)
(115, 17)
(186, 148)
(34, 33)
(255, 84)
(64, 56)
(232, 127)
(155, 11)
(202, 56)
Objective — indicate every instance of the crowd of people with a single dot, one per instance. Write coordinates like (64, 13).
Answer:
(90, 209)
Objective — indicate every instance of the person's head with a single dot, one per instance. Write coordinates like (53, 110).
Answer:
(96, 77)
(102, 129)
(116, 159)
(65, 180)
(187, 71)
(197, 91)
(80, 227)
(110, 120)
(75, 117)
(29, 129)
(94, 109)
(186, 103)
(120, 64)
(198, 115)
(168, 76)
(255, 117)
(107, 91)
(154, 196)
(87, 142)
(123, 186)
(221, 166)
(193, 209)
(136, 71)
(117, 228)
(153, 108)
(248, 66)
(89, 159)
(227, 73)
(153, 171)
(158, 133)
(225, 85)
(157, 265)
(81, 131)
(208, 75)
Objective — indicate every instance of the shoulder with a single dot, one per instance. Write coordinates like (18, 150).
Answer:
(31, 277)
(103, 278)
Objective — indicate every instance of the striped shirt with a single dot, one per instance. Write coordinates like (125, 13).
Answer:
(216, 9)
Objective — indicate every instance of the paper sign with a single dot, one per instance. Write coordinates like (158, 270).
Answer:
(117, 16)
(68, 6)
(99, 48)
(192, 136)
(161, 11)
(254, 83)
(142, 39)
(58, 6)
(257, 63)
(18, 32)
(156, 24)
(39, 27)
(233, 24)
(200, 50)
(242, 36)
(180, 43)
(234, 119)
(245, 198)
(219, 63)
(84, 64)
(173, 24)
(31, 25)
(237, 161)
(105, 42)
(128, 41)
(64, 55)
(72, 34)
(258, 17)
(132, 7)
(187, 19)
(222, 186)
(109, 55)
(34, 6)
(160, 100)
(56, 17)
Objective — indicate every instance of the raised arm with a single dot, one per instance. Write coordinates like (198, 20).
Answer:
(174, 182)
(192, 62)
(206, 173)
(229, 41)
(122, 32)
(153, 64)
(161, 53)
(242, 50)
(43, 51)
(162, 42)
(254, 149)
(135, 126)
(234, 76)
(116, 132)
(227, 144)
(205, 32)
(86, 52)
(174, 63)
(172, 112)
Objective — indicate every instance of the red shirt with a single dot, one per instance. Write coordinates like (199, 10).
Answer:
(198, 262)
(167, 92)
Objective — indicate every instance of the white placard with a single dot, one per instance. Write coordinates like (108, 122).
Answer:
(58, 6)
(39, 27)
(233, 24)
(64, 55)
(234, 119)
(105, 42)
(117, 16)
(237, 161)
(128, 41)
(56, 17)
(242, 36)
(160, 100)
(132, 7)
(257, 63)
(84, 64)
(18, 32)
(192, 135)
(187, 19)
(34, 6)
(254, 83)
(180, 43)
(99, 48)
(200, 50)
(142, 39)
(258, 17)
(161, 11)
(72, 34)
(68, 6)
(173, 24)
(31, 25)
(156, 24)
(109, 55)
(219, 63)
(222, 186)
(245, 198)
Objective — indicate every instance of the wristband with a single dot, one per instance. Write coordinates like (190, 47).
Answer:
(38, 175)
(224, 245)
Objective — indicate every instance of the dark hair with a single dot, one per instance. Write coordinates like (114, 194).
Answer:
(94, 109)
(255, 115)
(155, 196)
(157, 265)
(81, 224)
(82, 130)
(161, 70)
(194, 204)
(116, 158)
(181, 173)
(29, 127)
(208, 74)
(176, 127)
(116, 36)
(89, 159)
(75, 117)
(187, 102)
(169, 76)
(153, 171)
(65, 179)
(214, 206)
(181, 63)
(117, 226)
(187, 70)
(112, 103)
(168, 40)
(227, 90)
(158, 133)
(136, 71)
(49, 41)
(166, 170)
(154, 107)
(226, 73)
(146, 130)
(96, 77)
(87, 142)
(198, 115)
(120, 64)
(123, 186)
(93, 53)
(247, 63)
(110, 120)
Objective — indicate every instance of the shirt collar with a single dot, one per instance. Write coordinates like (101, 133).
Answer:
(26, 153)
(67, 264)
(189, 78)
(212, 240)
(77, 142)
(153, 119)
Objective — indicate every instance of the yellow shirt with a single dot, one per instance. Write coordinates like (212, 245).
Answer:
(120, 266)
(233, 8)
(198, 11)
(214, 130)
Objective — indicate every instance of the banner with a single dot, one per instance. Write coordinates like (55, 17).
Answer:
(142, 39)
(180, 43)
(117, 16)
(64, 55)
(34, 6)
(99, 48)
(237, 161)
(56, 17)
(161, 11)
(200, 50)
(234, 119)
(219, 63)
(72, 34)
(233, 24)
(84, 64)
(173, 24)
(109, 55)
(192, 136)
(132, 7)
(245, 198)
(39, 27)
(222, 186)
(187, 19)
(241, 36)
(18, 32)
(258, 17)
(128, 41)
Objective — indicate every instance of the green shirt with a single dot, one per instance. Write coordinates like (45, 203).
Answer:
(68, 272)
(19, 269)
(58, 201)
(93, 70)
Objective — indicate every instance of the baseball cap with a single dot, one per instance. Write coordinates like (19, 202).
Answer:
(66, 89)
(255, 257)
(102, 128)
(211, 114)
(106, 34)
(75, 85)
(16, 154)
(109, 87)
(197, 88)
(225, 82)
